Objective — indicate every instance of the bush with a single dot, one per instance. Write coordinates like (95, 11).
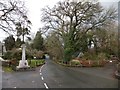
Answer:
(29, 54)
(5, 64)
(93, 56)
(10, 64)
(89, 56)
(38, 54)
(75, 63)
(95, 64)
(7, 55)
(13, 55)
(68, 54)
(16, 54)
(102, 56)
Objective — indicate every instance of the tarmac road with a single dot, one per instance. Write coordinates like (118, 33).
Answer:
(58, 76)
(52, 75)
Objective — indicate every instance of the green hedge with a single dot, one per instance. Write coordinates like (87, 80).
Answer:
(35, 63)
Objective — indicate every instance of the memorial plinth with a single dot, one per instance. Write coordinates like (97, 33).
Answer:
(23, 63)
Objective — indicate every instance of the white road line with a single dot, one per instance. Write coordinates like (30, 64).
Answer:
(41, 68)
(40, 73)
(46, 86)
(42, 78)
(15, 87)
(33, 81)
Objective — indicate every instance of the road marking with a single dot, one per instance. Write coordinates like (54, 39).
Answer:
(41, 68)
(15, 87)
(33, 81)
(42, 78)
(40, 73)
(46, 86)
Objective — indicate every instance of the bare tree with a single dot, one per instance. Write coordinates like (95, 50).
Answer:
(73, 19)
(11, 12)
(54, 46)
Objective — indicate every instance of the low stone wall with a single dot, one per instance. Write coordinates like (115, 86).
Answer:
(87, 63)
(25, 69)
(92, 63)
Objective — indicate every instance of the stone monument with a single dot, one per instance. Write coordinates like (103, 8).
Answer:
(23, 63)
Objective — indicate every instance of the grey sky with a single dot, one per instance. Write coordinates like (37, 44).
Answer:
(34, 12)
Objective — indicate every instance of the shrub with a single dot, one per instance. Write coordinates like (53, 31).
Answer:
(102, 56)
(98, 63)
(38, 54)
(68, 54)
(93, 56)
(7, 55)
(29, 54)
(75, 63)
(95, 64)
(16, 54)
(89, 56)
(5, 64)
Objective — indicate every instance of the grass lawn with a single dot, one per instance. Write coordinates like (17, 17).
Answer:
(35, 63)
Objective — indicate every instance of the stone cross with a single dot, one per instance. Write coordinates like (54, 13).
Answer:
(23, 52)
(23, 63)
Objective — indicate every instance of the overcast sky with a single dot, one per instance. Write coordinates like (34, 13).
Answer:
(34, 12)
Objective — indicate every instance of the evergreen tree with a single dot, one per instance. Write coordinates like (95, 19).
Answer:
(18, 43)
(9, 42)
(38, 41)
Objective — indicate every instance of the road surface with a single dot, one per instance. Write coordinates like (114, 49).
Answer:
(52, 75)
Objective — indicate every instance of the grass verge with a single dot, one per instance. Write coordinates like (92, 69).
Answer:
(7, 69)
